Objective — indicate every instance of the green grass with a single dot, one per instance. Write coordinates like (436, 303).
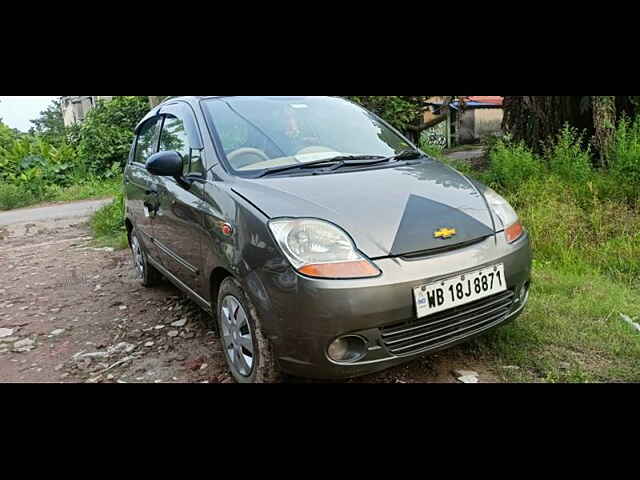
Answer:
(585, 231)
(573, 319)
(13, 196)
(93, 189)
(107, 225)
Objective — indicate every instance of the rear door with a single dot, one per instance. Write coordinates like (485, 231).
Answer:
(141, 187)
(179, 229)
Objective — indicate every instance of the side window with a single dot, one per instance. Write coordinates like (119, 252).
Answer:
(175, 137)
(147, 141)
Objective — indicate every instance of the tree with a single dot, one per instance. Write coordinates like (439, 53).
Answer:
(107, 132)
(406, 113)
(7, 135)
(535, 119)
(50, 124)
(604, 122)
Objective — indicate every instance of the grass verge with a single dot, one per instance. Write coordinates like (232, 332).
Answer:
(585, 230)
(13, 196)
(571, 332)
(107, 225)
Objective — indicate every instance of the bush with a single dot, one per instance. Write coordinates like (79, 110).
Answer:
(109, 220)
(435, 151)
(68, 163)
(580, 219)
(568, 158)
(7, 135)
(13, 196)
(108, 226)
(577, 235)
(35, 166)
(107, 133)
(513, 164)
(625, 156)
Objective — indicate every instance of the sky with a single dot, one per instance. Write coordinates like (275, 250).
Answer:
(16, 112)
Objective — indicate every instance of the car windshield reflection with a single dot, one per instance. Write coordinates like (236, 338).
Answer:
(262, 133)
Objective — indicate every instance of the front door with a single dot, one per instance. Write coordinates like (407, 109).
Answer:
(178, 227)
(141, 187)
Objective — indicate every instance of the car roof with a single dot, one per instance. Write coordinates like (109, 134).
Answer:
(192, 100)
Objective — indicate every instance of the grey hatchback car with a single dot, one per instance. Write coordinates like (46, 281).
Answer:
(323, 242)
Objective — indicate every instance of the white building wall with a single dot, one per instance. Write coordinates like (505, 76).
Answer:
(75, 109)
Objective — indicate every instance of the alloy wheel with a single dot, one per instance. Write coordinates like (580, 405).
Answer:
(237, 336)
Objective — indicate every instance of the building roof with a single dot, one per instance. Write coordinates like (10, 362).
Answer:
(476, 102)
(487, 100)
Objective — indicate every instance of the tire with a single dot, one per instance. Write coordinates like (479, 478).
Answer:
(147, 273)
(244, 321)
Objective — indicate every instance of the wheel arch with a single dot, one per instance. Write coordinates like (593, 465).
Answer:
(129, 226)
(218, 275)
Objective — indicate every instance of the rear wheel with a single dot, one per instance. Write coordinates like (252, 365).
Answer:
(146, 272)
(246, 349)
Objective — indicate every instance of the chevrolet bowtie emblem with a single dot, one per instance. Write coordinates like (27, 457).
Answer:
(445, 233)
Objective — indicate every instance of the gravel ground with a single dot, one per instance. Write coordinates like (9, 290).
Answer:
(73, 313)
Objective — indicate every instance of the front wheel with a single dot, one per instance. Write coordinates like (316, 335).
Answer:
(246, 349)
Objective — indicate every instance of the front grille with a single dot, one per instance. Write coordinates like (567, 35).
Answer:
(436, 251)
(447, 327)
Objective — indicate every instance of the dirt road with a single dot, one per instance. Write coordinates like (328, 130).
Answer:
(63, 211)
(73, 313)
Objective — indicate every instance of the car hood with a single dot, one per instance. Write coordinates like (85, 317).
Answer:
(388, 212)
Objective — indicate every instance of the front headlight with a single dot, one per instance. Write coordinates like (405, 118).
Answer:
(320, 249)
(506, 214)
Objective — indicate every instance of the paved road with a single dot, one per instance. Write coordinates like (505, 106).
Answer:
(53, 212)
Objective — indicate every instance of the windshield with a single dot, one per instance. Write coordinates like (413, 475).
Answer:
(262, 133)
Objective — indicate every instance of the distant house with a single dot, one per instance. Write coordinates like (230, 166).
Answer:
(75, 109)
(481, 117)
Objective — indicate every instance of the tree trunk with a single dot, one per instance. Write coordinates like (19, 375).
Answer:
(604, 121)
(536, 119)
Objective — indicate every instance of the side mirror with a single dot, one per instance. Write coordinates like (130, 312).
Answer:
(165, 164)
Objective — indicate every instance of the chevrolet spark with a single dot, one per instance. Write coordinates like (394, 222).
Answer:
(323, 242)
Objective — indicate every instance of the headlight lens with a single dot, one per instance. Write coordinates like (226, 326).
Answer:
(320, 249)
(506, 214)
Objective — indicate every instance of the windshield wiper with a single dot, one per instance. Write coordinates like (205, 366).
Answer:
(329, 161)
(407, 155)
(345, 161)
(404, 155)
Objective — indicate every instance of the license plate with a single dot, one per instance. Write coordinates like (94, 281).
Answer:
(461, 290)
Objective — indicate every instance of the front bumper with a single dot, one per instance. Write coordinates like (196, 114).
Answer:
(305, 315)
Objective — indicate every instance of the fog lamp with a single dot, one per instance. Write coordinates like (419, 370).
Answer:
(347, 349)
